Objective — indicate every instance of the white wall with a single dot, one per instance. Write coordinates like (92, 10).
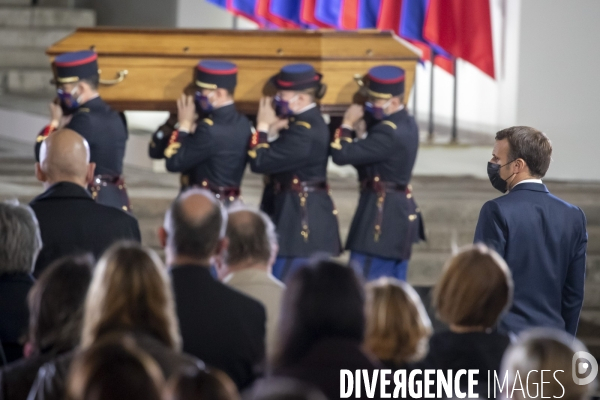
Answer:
(559, 83)
(202, 14)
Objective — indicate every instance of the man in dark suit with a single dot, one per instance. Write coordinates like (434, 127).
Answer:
(213, 155)
(296, 196)
(70, 220)
(387, 220)
(219, 325)
(542, 238)
(18, 249)
(79, 107)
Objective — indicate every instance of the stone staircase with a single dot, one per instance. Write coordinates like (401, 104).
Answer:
(25, 33)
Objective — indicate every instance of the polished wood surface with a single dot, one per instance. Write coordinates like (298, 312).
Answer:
(160, 63)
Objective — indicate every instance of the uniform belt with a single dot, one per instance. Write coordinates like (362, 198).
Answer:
(303, 188)
(223, 193)
(382, 186)
(112, 179)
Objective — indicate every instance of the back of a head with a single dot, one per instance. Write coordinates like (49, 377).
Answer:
(65, 156)
(251, 237)
(130, 290)
(195, 384)
(115, 368)
(284, 389)
(530, 145)
(56, 304)
(475, 288)
(549, 350)
(195, 224)
(398, 326)
(323, 300)
(20, 238)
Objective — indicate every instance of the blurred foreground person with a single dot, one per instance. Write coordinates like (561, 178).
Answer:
(398, 326)
(70, 220)
(322, 326)
(542, 238)
(78, 107)
(248, 260)
(130, 294)
(223, 327)
(555, 354)
(55, 319)
(195, 384)
(18, 250)
(115, 368)
(473, 292)
(387, 220)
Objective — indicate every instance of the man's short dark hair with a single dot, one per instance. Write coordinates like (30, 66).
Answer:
(251, 237)
(530, 145)
(93, 81)
(195, 239)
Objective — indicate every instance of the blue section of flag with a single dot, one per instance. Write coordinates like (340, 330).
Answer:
(368, 11)
(220, 3)
(286, 9)
(247, 7)
(412, 21)
(328, 11)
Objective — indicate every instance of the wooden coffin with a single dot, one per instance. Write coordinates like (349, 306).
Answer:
(154, 66)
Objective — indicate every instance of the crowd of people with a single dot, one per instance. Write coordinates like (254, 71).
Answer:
(242, 307)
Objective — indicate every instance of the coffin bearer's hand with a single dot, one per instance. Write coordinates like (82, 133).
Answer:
(266, 115)
(186, 112)
(278, 125)
(56, 114)
(354, 113)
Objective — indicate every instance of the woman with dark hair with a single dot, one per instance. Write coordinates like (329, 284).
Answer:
(197, 384)
(55, 305)
(131, 294)
(114, 368)
(322, 326)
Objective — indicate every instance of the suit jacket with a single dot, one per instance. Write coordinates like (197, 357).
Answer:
(14, 314)
(388, 153)
(543, 240)
(72, 222)
(216, 151)
(321, 366)
(106, 133)
(17, 378)
(264, 287)
(302, 152)
(219, 325)
(471, 350)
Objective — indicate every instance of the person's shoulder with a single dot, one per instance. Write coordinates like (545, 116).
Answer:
(113, 213)
(242, 301)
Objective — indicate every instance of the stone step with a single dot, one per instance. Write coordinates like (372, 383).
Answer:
(29, 81)
(43, 17)
(27, 37)
(24, 57)
(22, 3)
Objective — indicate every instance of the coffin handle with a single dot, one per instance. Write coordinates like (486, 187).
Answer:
(120, 76)
(358, 78)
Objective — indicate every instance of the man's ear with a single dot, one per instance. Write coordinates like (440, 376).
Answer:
(39, 174)
(162, 237)
(89, 178)
(520, 165)
(222, 246)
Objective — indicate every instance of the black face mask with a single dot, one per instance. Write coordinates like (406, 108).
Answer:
(493, 171)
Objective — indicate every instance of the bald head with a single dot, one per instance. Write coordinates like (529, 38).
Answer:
(251, 236)
(65, 156)
(195, 225)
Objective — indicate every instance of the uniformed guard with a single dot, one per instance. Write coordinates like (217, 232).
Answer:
(387, 220)
(296, 195)
(79, 107)
(214, 154)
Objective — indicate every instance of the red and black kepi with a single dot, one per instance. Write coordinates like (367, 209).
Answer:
(297, 77)
(385, 81)
(71, 67)
(213, 74)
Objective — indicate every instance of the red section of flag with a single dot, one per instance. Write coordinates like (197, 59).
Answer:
(307, 14)
(262, 10)
(443, 62)
(464, 29)
(349, 14)
(389, 15)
